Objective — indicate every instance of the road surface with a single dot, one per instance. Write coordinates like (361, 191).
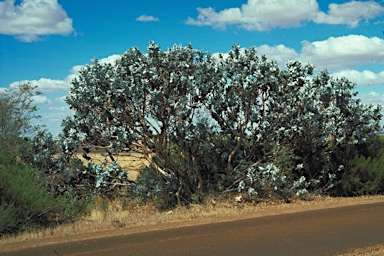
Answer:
(317, 232)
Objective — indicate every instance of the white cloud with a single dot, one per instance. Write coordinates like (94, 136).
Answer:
(48, 86)
(350, 13)
(256, 15)
(44, 85)
(343, 52)
(61, 109)
(33, 18)
(61, 99)
(279, 53)
(146, 18)
(110, 59)
(263, 15)
(209, 17)
(74, 72)
(365, 77)
(334, 53)
(372, 98)
(56, 116)
(342, 56)
(41, 100)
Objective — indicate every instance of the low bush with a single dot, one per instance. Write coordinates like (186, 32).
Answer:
(24, 201)
(163, 193)
(28, 202)
(365, 177)
(364, 174)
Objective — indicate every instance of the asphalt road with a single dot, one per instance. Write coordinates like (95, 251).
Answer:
(318, 232)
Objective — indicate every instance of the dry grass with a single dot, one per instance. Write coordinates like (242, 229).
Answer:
(376, 250)
(132, 163)
(121, 216)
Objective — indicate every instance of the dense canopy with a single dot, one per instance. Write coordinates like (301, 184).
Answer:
(237, 121)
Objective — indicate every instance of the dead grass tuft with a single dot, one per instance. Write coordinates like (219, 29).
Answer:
(376, 250)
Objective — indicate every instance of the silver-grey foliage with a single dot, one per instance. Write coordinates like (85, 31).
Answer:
(217, 123)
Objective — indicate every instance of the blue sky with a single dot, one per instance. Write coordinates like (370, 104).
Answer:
(46, 42)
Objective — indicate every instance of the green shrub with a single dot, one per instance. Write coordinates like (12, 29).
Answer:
(75, 205)
(364, 169)
(24, 201)
(366, 176)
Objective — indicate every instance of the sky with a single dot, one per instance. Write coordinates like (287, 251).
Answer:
(47, 42)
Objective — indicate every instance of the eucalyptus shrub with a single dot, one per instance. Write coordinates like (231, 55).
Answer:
(265, 107)
(142, 102)
(217, 124)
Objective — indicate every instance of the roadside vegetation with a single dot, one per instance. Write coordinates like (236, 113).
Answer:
(197, 130)
(376, 250)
